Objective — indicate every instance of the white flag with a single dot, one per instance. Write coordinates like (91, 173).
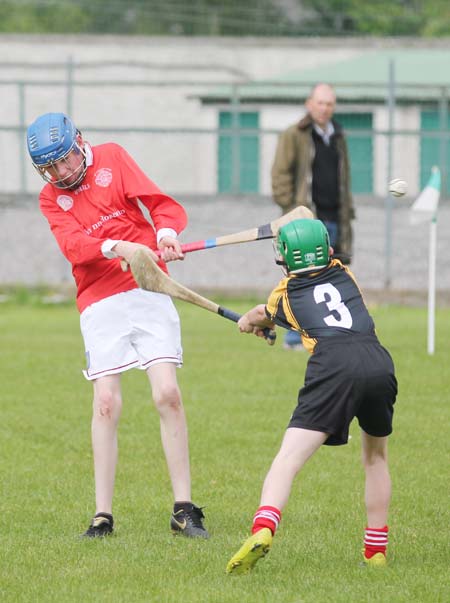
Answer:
(424, 208)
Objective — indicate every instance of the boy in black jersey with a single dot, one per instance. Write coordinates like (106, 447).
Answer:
(349, 374)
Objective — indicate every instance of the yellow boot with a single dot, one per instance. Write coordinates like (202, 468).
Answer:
(378, 560)
(254, 548)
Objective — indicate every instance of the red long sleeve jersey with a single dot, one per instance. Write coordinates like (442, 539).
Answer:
(105, 206)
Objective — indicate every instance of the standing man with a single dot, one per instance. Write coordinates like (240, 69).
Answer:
(312, 168)
(91, 204)
(349, 374)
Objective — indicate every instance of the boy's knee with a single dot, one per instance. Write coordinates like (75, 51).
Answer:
(374, 457)
(106, 405)
(167, 397)
(374, 449)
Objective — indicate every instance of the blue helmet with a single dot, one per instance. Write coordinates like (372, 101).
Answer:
(50, 138)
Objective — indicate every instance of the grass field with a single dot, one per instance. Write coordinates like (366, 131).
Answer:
(238, 394)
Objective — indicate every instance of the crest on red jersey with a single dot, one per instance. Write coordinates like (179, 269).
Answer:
(65, 202)
(103, 177)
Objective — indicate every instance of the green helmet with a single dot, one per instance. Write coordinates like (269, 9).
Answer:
(303, 245)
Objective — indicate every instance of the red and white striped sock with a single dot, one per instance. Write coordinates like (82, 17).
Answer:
(375, 541)
(266, 517)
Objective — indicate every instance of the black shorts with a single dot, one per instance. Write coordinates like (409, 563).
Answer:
(346, 377)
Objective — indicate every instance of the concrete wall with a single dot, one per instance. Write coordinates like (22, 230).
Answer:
(30, 255)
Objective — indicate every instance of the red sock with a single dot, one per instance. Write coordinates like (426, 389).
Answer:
(375, 541)
(266, 517)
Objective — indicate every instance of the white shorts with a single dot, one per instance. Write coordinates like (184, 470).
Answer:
(134, 329)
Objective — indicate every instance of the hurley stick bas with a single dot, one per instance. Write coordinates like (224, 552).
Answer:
(151, 278)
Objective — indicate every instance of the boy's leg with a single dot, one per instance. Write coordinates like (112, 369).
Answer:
(174, 436)
(186, 518)
(105, 418)
(297, 447)
(377, 497)
(107, 407)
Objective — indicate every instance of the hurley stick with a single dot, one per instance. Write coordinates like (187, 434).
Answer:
(266, 231)
(151, 278)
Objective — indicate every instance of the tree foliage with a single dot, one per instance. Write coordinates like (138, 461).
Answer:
(228, 17)
(147, 17)
(379, 17)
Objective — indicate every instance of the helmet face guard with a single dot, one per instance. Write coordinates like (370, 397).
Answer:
(302, 245)
(48, 172)
(51, 139)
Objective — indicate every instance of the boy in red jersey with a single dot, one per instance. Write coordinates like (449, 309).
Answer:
(91, 201)
(349, 374)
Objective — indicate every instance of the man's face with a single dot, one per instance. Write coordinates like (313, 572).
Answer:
(321, 104)
(67, 171)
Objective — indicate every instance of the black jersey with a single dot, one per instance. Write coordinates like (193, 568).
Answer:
(321, 304)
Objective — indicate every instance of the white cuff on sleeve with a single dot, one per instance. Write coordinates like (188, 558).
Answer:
(107, 249)
(166, 232)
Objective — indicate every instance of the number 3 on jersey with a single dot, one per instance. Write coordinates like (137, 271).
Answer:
(340, 316)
